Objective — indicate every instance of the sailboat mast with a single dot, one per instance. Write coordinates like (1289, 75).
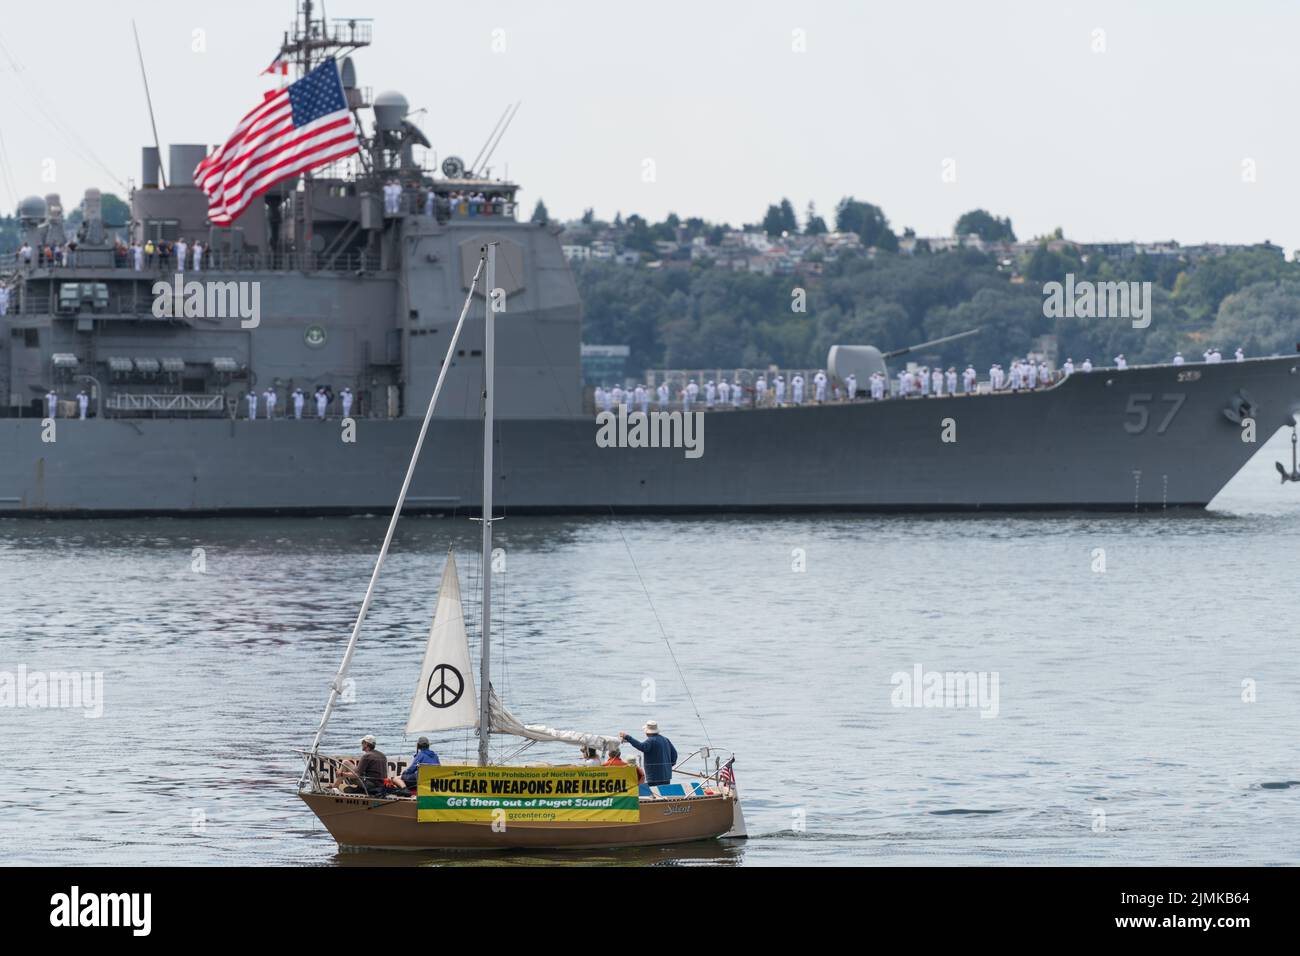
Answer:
(489, 391)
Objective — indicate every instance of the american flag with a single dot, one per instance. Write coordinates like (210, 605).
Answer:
(278, 65)
(300, 127)
(726, 775)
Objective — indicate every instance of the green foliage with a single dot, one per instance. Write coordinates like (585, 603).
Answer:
(867, 221)
(703, 316)
(988, 227)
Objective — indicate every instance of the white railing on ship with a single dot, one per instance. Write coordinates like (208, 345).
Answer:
(127, 402)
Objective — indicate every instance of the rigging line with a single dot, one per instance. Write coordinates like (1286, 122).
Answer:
(655, 612)
(72, 139)
(4, 168)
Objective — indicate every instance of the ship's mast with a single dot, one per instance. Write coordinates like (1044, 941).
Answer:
(485, 680)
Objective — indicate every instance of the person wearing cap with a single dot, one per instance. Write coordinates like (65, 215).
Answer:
(367, 774)
(660, 754)
(615, 759)
(423, 755)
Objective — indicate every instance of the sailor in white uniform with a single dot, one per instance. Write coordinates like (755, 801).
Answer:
(760, 391)
(1120, 361)
(269, 397)
(950, 380)
(662, 393)
(137, 256)
(904, 383)
(1241, 356)
(83, 403)
(710, 393)
(1215, 356)
(1178, 358)
(1032, 373)
(923, 376)
(346, 395)
(737, 394)
(877, 386)
(321, 401)
(796, 388)
(779, 387)
(819, 386)
(1044, 374)
(936, 381)
(693, 390)
(51, 404)
(994, 383)
(1069, 366)
(851, 387)
(198, 256)
(298, 401)
(181, 250)
(968, 378)
(252, 406)
(1087, 365)
(724, 392)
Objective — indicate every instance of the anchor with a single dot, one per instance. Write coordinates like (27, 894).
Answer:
(1281, 468)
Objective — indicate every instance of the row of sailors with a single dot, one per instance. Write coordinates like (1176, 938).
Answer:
(178, 253)
(723, 393)
(1211, 356)
(268, 400)
(474, 201)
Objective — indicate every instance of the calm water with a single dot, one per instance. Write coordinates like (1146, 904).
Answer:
(1121, 734)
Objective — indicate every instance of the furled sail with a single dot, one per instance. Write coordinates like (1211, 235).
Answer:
(504, 722)
(445, 697)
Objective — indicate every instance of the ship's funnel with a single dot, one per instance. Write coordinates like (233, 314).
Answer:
(181, 161)
(390, 109)
(149, 162)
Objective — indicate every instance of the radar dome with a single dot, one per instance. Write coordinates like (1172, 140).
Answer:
(32, 209)
(390, 109)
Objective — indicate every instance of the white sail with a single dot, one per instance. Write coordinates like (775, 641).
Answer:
(445, 697)
(504, 722)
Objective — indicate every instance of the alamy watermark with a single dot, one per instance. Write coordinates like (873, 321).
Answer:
(922, 688)
(208, 299)
(44, 690)
(651, 430)
(1086, 299)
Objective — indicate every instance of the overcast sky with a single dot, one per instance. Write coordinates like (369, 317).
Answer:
(1152, 138)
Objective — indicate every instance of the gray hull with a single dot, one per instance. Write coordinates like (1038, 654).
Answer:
(1105, 440)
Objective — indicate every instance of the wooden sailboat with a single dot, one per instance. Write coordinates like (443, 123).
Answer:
(495, 806)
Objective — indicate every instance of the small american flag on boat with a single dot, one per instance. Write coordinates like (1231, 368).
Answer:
(726, 775)
(300, 127)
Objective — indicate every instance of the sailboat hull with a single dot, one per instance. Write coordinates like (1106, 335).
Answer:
(362, 823)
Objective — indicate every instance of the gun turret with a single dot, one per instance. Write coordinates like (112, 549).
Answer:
(925, 345)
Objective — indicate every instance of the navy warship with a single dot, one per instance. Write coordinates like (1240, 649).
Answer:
(351, 276)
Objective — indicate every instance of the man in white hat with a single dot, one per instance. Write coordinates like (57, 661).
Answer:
(660, 754)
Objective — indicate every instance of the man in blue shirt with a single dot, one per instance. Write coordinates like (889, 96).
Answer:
(411, 775)
(660, 754)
